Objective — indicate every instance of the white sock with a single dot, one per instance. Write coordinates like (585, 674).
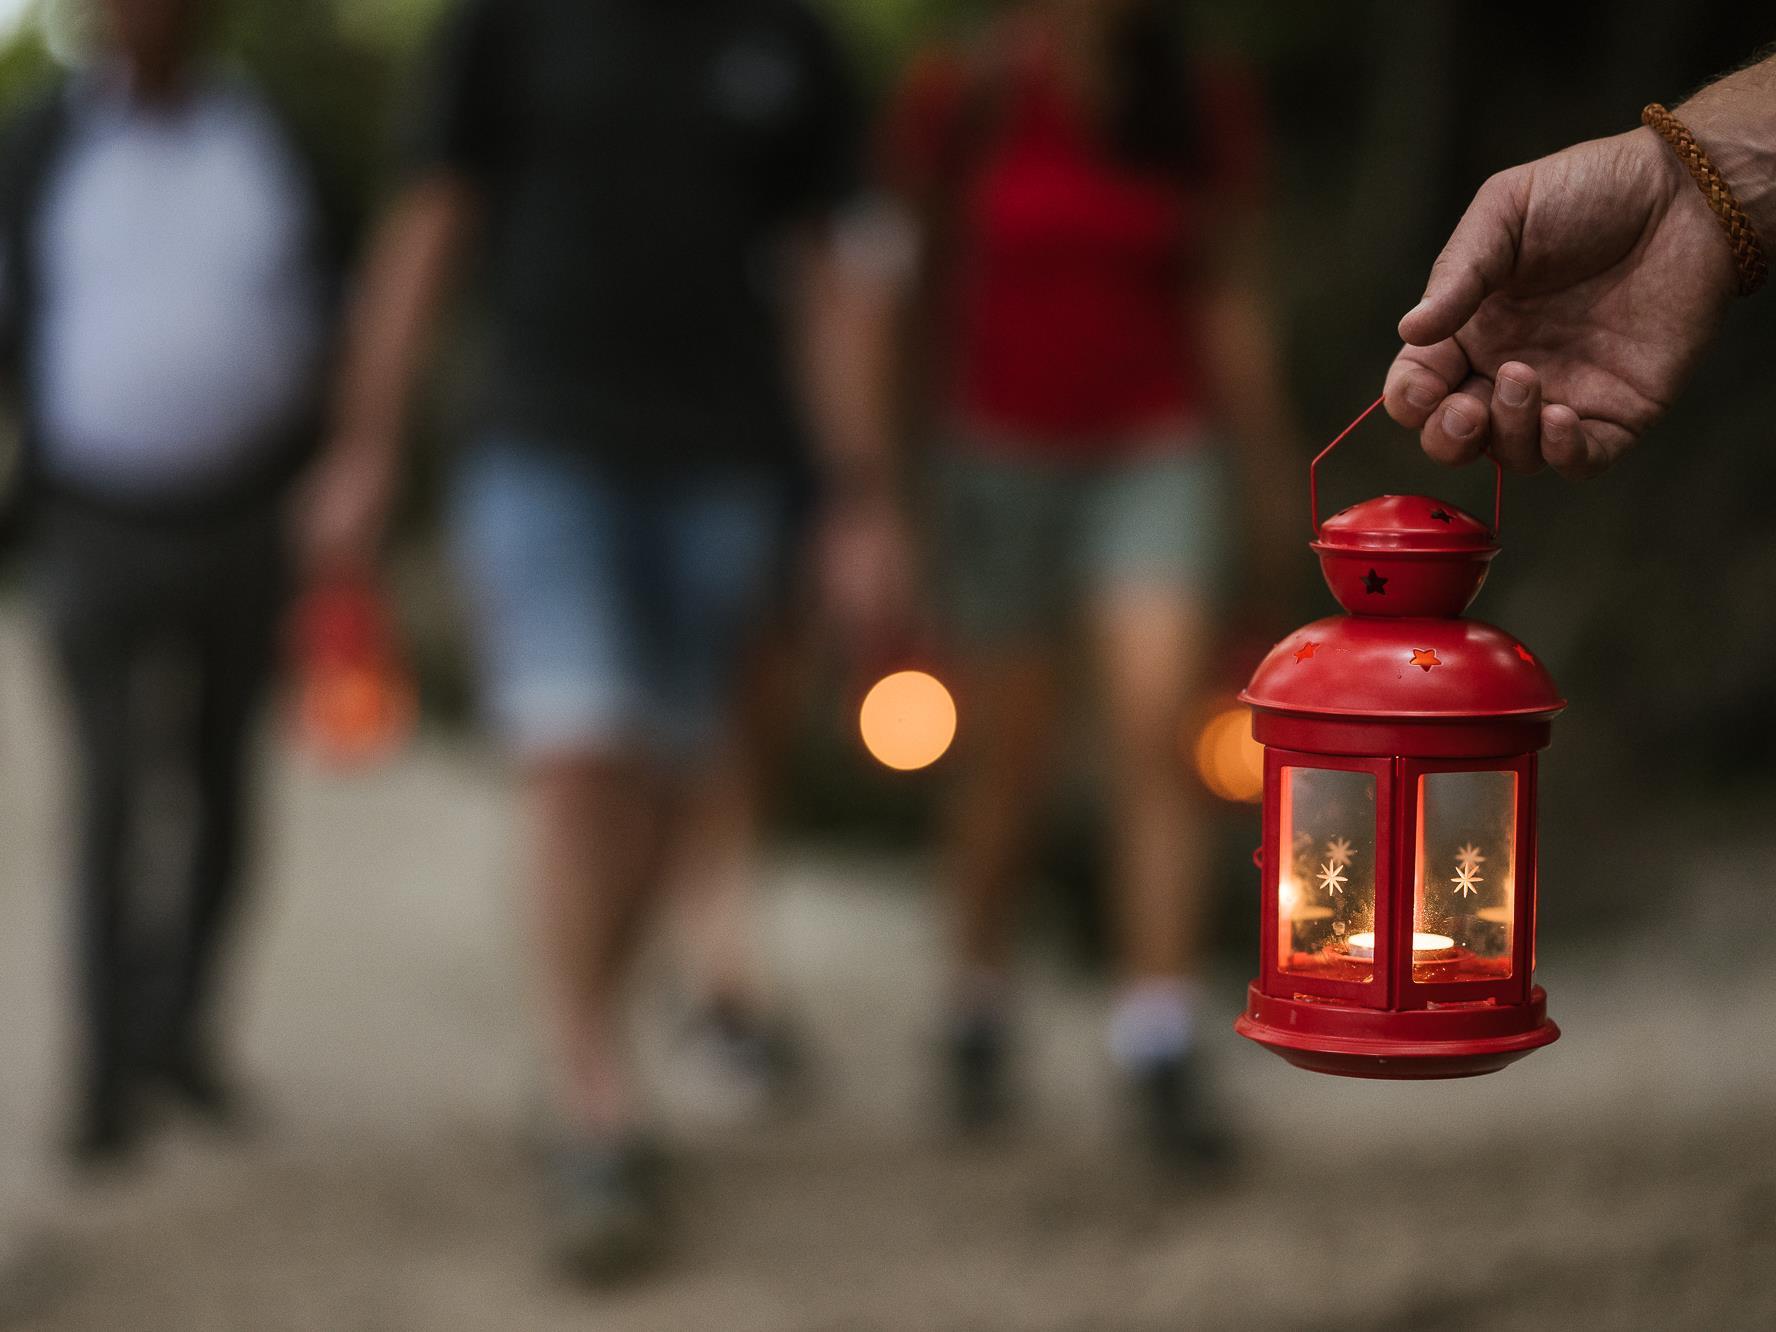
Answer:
(1154, 1020)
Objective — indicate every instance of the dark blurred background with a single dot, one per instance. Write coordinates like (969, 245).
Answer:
(1646, 592)
(1649, 594)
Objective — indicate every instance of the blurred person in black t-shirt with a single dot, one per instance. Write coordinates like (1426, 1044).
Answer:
(650, 194)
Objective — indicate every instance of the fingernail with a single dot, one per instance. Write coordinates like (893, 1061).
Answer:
(1455, 425)
(1419, 307)
(1512, 393)
(1421, 394)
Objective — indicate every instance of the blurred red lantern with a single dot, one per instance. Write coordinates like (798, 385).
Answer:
(1399, 856)
(354, 698)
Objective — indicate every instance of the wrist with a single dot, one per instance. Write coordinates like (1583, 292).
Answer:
(1710, 196)
(1735, 121)
(858, 481)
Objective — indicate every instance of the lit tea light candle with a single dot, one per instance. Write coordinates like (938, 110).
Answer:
(1362, 945)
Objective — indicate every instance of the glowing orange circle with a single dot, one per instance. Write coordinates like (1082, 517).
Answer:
(908, 720)
(1229, 761)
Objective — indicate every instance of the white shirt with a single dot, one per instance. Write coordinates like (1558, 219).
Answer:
(181, 311)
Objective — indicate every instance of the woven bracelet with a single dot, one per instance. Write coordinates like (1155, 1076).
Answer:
(1742, 237)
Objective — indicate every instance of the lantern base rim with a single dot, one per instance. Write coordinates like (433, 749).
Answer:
(1431, 1043)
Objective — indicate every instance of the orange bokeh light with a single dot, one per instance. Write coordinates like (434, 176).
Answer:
(908, 720)
(1229, 761)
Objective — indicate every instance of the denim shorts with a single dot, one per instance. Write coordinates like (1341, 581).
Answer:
(1027, 540)
(611, 609)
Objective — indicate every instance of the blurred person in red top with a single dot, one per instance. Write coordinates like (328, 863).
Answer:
(1085, 192)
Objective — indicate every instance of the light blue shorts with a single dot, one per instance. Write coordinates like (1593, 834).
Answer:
(611, 610)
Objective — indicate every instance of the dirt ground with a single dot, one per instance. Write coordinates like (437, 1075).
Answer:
(1625, 1178)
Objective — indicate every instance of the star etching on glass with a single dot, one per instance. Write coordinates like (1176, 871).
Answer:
(1332, 878)
(1467, 879)
(1469, 857)
(1339, 851)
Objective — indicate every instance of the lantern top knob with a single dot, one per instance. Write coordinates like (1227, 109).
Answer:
(1404, 555)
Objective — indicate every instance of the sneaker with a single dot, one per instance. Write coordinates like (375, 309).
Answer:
(607, 1203)
(980, 1093)
(1177, 1118)
(748, 1065)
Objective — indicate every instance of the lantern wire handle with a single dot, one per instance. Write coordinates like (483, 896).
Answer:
(1313, 472)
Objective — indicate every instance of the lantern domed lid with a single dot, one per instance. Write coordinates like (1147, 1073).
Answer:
(1405, 524)
(1405, 555)
(1415, 668)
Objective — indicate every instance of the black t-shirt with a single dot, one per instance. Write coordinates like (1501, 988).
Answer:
(642, 163)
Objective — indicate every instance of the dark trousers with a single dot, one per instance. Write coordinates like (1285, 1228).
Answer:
(165, 639)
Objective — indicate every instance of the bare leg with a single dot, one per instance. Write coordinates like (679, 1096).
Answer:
(716, 870)
(716, 874)
(1150, 647)
(598, 827)
(1007, 709)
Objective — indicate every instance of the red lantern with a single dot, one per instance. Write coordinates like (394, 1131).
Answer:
(354, 694)
(1399, 855)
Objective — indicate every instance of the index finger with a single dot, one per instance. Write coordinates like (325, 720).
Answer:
(1421, 378)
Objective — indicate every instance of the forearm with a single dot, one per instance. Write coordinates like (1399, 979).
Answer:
(847, 343)
(403, 284)
(1735, 120)
(1247, 379)
(1242, 347)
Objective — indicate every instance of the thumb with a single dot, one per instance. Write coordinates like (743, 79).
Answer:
(1475, 263)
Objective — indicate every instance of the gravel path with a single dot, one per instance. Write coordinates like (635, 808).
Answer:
(1623, 1179)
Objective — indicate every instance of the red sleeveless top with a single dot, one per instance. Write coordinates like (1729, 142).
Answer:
(1067, 286)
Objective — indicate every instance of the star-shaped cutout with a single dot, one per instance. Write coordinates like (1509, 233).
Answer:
(1332, 878)
(1441, 516)
(1375, 584)
(1306, 650)
(1523, 653)
(1466, 881)
(1425, 658)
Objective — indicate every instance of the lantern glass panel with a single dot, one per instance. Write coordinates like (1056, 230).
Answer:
(1466, 869)
(1326, 874)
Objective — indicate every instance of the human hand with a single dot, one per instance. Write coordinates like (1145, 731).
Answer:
(343, 508)
(1566, 313)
